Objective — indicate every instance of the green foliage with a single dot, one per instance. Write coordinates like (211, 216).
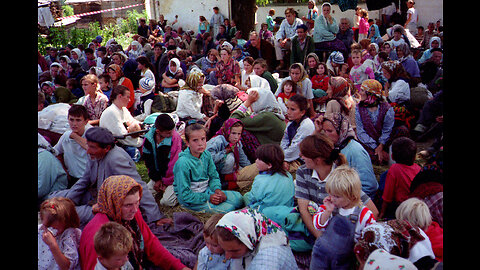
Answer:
(122, 32)
(67, 10)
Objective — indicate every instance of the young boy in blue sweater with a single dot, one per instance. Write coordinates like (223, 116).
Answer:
(196, 181)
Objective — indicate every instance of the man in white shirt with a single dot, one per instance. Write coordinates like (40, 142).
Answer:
(285, 34)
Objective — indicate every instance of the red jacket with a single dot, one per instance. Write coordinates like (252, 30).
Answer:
(154, 250)
(435, 234)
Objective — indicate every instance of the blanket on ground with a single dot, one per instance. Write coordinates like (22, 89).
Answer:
(183, 239)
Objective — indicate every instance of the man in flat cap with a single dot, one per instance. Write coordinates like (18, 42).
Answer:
(106, 159)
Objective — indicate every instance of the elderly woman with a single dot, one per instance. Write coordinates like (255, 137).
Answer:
(325, 30)
(375, 120)
(338, 128)
(119, 121)
(118, 201)
(258, 241)
(408, 62)
(267, 121)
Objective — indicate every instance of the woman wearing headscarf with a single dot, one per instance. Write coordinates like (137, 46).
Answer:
(172, 76)
(398, 238)
(226, 100)
(256, 240)
(375, 119)
(135, 50)
(435, 42)
(77, 57)
(118, 78)
(325, 30)
(189, 102)
(340, 99)
(408, 63)
(258, 82)
(266, 122)
(374, 33)
(338, 128)
(299, 76)
(118, 201)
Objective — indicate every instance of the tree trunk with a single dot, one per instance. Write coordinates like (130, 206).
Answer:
(243, 13)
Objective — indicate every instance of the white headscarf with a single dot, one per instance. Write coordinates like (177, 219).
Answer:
(253, 229)
(266, 102)
(79, 53)
(321, 12)
(135, 53)
(258, 82)
(177, 63)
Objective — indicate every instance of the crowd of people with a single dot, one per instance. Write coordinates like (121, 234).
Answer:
(284, 164)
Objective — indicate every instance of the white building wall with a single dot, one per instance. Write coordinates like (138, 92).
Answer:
(302, 10)
(188, 11)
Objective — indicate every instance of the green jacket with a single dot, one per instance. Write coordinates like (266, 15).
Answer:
(298, 55)
(266, 126)
(191, 175)
(271, 81)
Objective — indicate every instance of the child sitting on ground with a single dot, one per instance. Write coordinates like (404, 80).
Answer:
(172, 75)
(112, 243)
(289, 89)
(146, 87)
(360, 72)
(71, 148)
(342, 218)
(417, 213)
(227, 152)
(320, 81)
(196, 182)
(399, 176)
(273, 186)
(160, 152)
(58, 235)
(212, 256)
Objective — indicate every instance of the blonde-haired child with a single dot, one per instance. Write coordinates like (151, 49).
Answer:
(341, 217)
(344, 189)
(58, 235)
(417, 213)
(112, 243)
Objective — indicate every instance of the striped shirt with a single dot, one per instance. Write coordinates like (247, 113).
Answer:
(364, 219)
(310, 187)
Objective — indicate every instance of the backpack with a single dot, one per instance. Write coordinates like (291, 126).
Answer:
(163, 103)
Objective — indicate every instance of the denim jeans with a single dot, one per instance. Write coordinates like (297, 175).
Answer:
(133, 152)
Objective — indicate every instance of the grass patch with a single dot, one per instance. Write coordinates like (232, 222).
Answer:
(168, 211)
